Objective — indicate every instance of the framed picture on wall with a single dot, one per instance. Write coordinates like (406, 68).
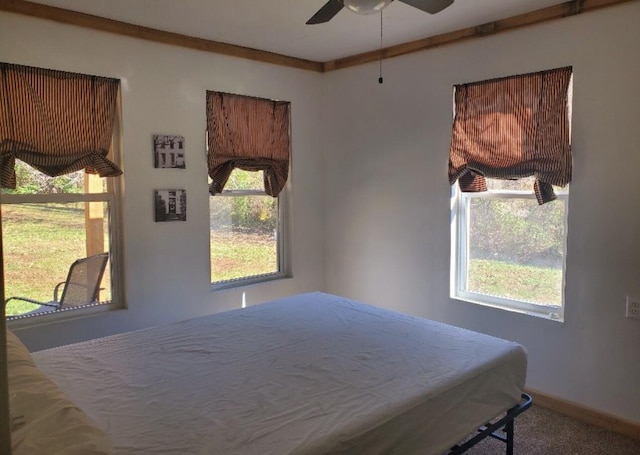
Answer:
(168, 151)
(170, 205)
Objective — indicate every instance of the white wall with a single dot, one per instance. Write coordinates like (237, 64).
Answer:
(388, 198)
(163, 92)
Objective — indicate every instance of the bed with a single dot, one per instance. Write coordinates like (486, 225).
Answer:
(308, 374)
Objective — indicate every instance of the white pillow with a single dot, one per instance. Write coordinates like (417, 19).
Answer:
(43, 420)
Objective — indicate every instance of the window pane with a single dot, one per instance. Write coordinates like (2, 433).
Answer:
(42, 240)
(516, 249)
(243, 232)
(245, 180)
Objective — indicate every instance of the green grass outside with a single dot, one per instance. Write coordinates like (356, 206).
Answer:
(518, 282)
(42, 240)
(235, 255)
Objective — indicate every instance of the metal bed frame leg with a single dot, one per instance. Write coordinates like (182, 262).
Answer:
(508, 429)
(506, 423)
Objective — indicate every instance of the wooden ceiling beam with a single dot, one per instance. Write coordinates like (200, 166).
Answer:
(559, 11)
(66, 16)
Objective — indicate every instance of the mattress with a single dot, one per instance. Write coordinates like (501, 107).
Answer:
(309, 374)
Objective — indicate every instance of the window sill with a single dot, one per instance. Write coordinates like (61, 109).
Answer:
(240, 282)
(60, 316)
(550, 315)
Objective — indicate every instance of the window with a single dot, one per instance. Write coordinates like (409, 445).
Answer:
(511, 156)
(47, 224)
(245, 231)
(59, 203)
(248, 149)
(509, 251)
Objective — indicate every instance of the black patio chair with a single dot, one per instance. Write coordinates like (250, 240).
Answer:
(82, 286)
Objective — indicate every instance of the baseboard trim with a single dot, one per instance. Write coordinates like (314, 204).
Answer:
(585, 414)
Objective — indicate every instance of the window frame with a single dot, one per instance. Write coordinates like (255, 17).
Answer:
(460, 219)
(113, 197)
(282, 247)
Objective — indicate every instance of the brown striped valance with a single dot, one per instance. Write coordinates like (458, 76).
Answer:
(55, 121)
(247, 133)
(512, 128)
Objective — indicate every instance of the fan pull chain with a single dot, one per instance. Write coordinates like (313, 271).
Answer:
(380, 80)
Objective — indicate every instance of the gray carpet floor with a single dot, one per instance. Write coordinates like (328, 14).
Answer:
(539, 431)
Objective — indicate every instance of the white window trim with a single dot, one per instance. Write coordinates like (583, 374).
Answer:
(459, 251)
(284, 270)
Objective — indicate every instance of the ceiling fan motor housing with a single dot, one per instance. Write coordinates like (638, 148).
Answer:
(333, 7)
(366, 6)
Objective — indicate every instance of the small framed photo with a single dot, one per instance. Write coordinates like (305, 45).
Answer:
(168, 151)
(170, 205)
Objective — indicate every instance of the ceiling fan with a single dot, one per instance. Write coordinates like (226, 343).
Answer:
(333, 7)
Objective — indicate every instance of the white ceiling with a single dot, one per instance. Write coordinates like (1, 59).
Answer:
(279, 25)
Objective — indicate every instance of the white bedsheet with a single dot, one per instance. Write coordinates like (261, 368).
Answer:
(309, 374)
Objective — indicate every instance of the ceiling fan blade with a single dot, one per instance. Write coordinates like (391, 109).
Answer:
(326, 13)
(429, 6)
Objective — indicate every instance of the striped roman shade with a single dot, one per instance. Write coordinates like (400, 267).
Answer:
(55, 121)
(247, 133)
(512, 128)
